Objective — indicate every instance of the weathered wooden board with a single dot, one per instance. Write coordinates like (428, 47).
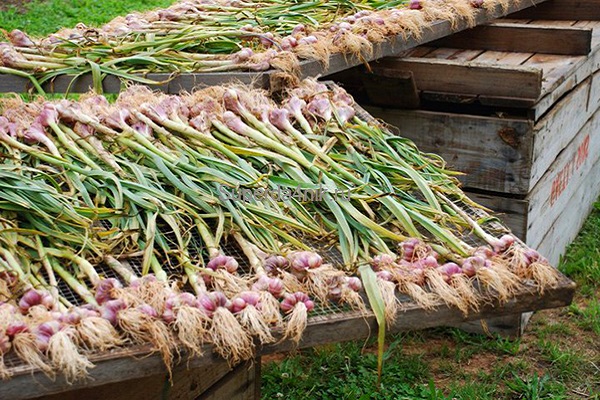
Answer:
(553, 195)
(243, 383)
(495, 153)
(468, 77)
(556, 130)
(511, 211)
(134, 363)
(568, 80)
(112, 84)
(517, 152)
(338, 62)
(550, 217)
(185, 384)
(563, 10)
(502, 36)
(566, 227)
(560, 74)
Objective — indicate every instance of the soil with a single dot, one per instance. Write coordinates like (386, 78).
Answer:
(18, 4)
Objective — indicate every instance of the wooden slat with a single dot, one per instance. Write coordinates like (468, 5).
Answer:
(518, 153)
(557, 129)
(548, 62)
(563, 10)
(120, 366)
(511, 211)
(565, 83)
(566, 227)
(420, 51)
(469, 77)
(442, 53)
(112, 84)
(502, 57)
(553, 194)
(185, 384)
(243, 383)
(552, 22)
(501, 36)
(465, 55)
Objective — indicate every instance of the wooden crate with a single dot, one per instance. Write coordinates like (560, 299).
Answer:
(463, 98)
(552, 214)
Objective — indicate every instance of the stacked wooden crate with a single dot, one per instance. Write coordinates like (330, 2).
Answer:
(513, 104)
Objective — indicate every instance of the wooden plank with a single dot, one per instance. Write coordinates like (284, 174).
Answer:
(580, 71)
(442, 53)
(243, 383)
(383, 86)
(420, 51)
(469, 78)
(502, 57)
(465, 55)
(509, 326)
(556, 130)
(556, 70)
(548, 62)
(562, 10)
(112, 84)
(462, 140)
(550, 217)
(502, 36)
(517, 152)
(552, 196)
(566, 227)
(553, 22)
(121, 366)
(185, 384)
(511, 211)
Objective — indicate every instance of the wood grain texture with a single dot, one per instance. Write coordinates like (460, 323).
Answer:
(502, 36)
(134, 363)
(471, 77)
(563, 10)
(569, 80)
(511, 211)
(550, 217)
(566, 227)
(243, 383)
(185, 384)
(463, 140)
(553, 195)
(560, 125)
(517, 152)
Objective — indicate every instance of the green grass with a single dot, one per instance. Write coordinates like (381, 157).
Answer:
(557, 358)
(44, 17)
